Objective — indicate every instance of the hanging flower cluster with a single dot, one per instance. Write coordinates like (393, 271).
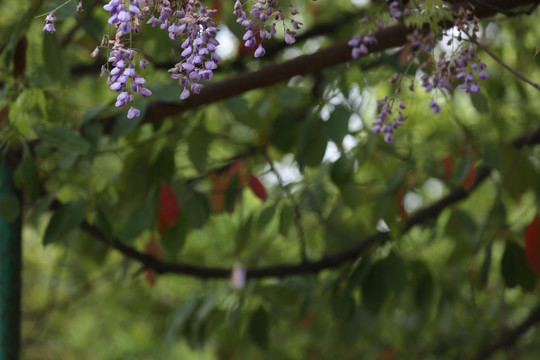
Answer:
(189, 20)
(462, 69)
(256, 26)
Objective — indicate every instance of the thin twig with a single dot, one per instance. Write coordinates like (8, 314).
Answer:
(297, 217)
(506, 66)
(509, 337)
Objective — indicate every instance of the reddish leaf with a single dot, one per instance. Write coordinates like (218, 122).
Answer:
(532, 245)
(448, 167)
(152, 248)
(237, 168)
(400, 202)
(386, 354)
(469, 180)
(217, 202)
(257, 187)
(307, 320)
(168, 207)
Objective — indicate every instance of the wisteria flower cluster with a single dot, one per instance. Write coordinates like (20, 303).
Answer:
(460, 70)
(189, 20)
(256, 27)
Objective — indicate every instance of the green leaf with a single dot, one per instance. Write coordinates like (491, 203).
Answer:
(10, 207)
(259, 327)
(167, 93)
(289, 97)
(10, 36)
(463, 229)
(240, 109)
(312, 144)
(480, 102)
(518, 172)
(395, 272)
(140, 219)
(265, 216)
(396, 179)
(196, 208)
(30, 177)
(374, 289)
(462, 168)
(198, 143)
(342, 170)
(174, 237)
(424, 286)
(53, 57)
(92, 132)
(64, 219)
(180, 317)
(64, 139)
(350, 194)
(343, 306)
(243, 235)
(286, 217)
(358, 275)
(337, 125)
(492, 155)
(515, 269)
(104, 224)
(164, 165)
(285, 130)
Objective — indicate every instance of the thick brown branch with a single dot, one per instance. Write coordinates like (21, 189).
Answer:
(339, 53)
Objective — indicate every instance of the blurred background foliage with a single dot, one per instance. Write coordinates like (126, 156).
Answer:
(440, 291)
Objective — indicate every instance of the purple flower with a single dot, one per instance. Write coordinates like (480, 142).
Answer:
(260, 11)
(238, 277)
(394, 10)
(49, 23)
(289, 38)
(434, 107)
(133, 112)
(359, 44)
(185, 94)
(260, 51)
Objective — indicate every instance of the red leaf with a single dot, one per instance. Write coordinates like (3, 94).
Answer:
(236, 168)
(257, 187)
(448, 167)
(168, 207)
(532, 245)
(401, 207)
(217, 202)
(469, 180)
(307, 320)
(152, 248)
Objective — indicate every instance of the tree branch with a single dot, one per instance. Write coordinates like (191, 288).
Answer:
(508, 338)
(349, 253)
(333, 55)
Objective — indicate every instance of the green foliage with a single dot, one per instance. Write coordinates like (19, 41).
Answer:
(437, 289)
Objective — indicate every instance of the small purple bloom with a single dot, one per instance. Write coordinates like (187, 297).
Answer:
(434, 107)
(49, 23)
(185, 94)
(260, 51)
(133, 112)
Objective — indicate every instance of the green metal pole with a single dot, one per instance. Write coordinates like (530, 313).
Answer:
(10, 269)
